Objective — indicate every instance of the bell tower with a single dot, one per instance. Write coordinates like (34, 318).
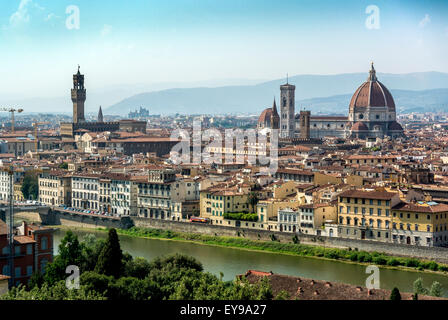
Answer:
(287, 110)
(78, 97)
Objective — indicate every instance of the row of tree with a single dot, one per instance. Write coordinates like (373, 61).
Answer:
(108, 273)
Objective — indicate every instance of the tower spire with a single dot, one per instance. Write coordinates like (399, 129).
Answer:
(100, 115)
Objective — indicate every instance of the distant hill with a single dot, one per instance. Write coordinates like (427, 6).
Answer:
(320, 93)
(434, 100)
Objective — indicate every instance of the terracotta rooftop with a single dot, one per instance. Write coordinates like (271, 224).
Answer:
(309, 289)
(376, 195)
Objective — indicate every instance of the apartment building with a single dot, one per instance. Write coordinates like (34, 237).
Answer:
(4, 185)
(288, 220)
(420, 223)
(85, 191)
(123, 195)
(162, 193)
(366, 214)
(55, 188)
(33, 250)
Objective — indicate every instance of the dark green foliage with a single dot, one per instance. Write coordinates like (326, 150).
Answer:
(64, 165)
(30, 185)
(110, 259)
(138, 268)
(393, 262)
(282, 295)
(253, 217)
(70, 253)
(413, 263)
(395, 294)
(172, 277)
(252, 199)
(295, 239)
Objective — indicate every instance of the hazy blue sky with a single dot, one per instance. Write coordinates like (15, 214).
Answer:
(143, 41)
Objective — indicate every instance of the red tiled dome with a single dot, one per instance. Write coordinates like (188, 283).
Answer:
(395, 126)
(265, 116)
(360, 126)
(372, 93)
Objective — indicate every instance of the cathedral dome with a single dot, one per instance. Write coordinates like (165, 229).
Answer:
(265, 116)
(372, 93)
(395, 126)
(269, 118)
(360, 126)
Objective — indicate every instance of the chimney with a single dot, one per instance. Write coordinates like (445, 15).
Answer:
(328, 284)
(312, 282)
(316, 292)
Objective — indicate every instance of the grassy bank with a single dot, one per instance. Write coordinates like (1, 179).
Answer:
(292, 248)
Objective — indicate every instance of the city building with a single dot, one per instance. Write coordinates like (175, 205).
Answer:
(371, 114)
(79, 125)
(420, 223)
(55, 188)
(33, 250)
(366, 214)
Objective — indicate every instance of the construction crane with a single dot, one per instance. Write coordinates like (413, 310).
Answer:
(36, 127)
(12, 110)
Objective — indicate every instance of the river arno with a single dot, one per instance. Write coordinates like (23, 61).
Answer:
(234, 261)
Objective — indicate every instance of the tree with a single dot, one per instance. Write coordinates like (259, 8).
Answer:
(110, 260)
(138, 268)
(64, 165)
(395, 294)
(70, 253)
(57, 291)
(253, 199)
(30, 185)
(436, 289)
(419, 288)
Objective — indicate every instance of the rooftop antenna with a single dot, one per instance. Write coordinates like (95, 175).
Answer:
(287, 78)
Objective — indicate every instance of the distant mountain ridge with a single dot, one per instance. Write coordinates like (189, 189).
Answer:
(319, 93)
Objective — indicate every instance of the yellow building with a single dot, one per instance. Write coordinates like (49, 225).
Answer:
(55, 188)
(364, 214)
(18, 195)
(420, 223)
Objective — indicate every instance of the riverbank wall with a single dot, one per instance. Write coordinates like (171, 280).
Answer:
(433, 253)
(86, 221)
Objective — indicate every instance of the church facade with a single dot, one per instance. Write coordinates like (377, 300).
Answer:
(371, 114)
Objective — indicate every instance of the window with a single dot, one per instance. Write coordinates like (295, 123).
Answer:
(5, 270)
(17, 272)
(44, 243)
(29, 270)
(379, 212)
(17, 250)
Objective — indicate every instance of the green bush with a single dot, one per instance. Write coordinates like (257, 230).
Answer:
(379, 260)
(393, 262)
(364, 257)
(412, 263)
(241, 216)
(354, 256)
